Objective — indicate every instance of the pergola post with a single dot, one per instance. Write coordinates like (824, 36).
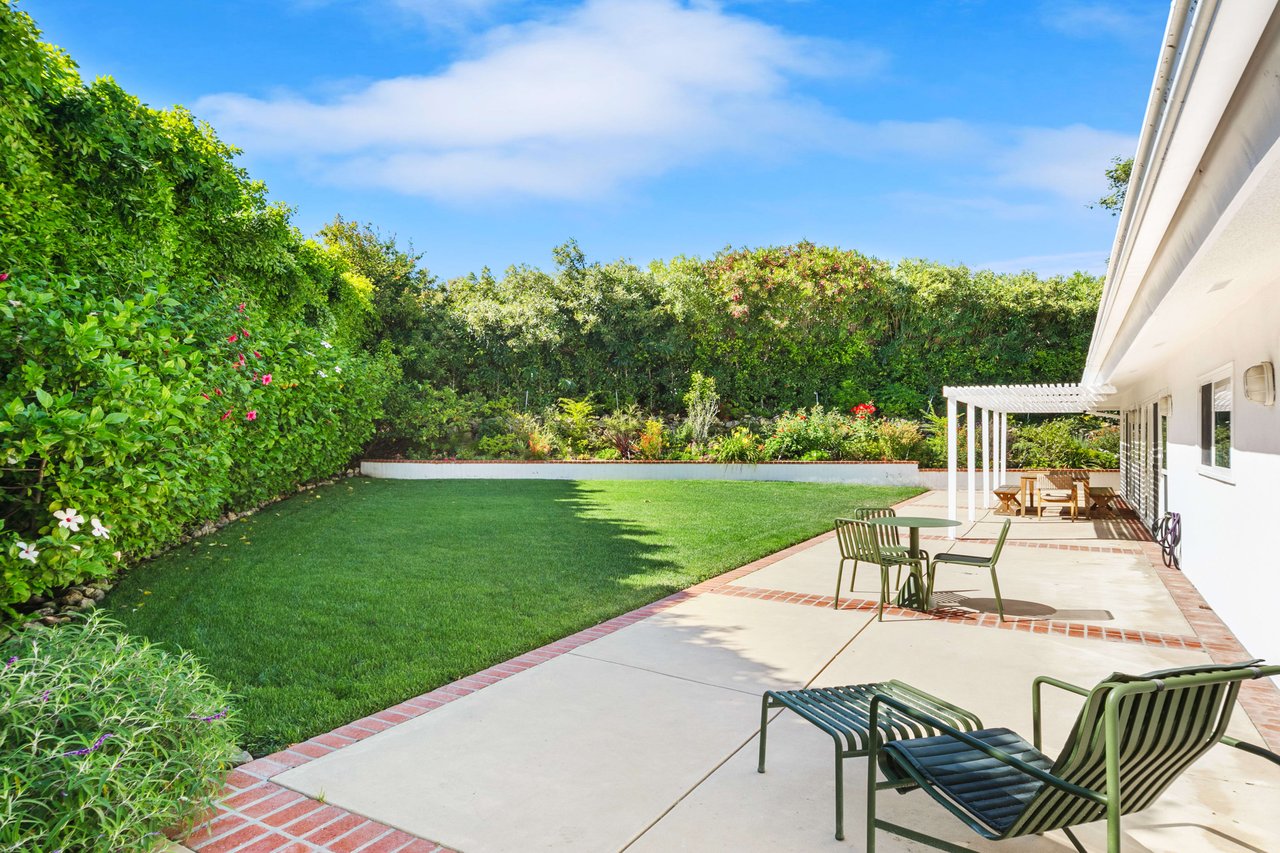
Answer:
(952, 414)
(986, 458)
(969, 430)
(1004, 447)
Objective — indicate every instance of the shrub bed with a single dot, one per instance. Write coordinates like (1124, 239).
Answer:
(105, 740)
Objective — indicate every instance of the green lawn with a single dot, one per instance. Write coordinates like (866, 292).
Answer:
(340, 602)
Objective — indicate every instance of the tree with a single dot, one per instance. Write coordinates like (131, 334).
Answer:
(1118, 182)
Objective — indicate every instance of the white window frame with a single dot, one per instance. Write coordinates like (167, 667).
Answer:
(1215, 472)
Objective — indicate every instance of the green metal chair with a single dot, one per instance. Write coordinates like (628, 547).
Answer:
(1134, 737)
(977, 563)
(864, 542)
(890, 538)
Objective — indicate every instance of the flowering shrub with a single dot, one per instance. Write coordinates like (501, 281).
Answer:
(817, 434)
(152, 415)
(741, 445)
(652, 441)
(105, 740)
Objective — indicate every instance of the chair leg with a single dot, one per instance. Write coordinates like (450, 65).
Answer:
(871, 794)
(1074, 841)
(933, 571)
(764, 729)
(839, 793)
(995, 583)
(853, 578)
(884, 591)
(839, 575)
(897, 584)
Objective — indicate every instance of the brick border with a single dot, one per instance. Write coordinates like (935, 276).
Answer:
(255, 815)
(984, 620)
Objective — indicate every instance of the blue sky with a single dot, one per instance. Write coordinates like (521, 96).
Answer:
(487, 131)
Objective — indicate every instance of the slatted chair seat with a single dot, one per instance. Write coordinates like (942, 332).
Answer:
(989, 790)
(1134, 736)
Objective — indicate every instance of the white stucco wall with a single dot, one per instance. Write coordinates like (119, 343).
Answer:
(1230, 530)
(867, 473)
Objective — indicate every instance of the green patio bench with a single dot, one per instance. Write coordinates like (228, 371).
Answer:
(844, 713)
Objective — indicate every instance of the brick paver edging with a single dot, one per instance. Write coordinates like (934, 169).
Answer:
(255, 815)
(968, 617)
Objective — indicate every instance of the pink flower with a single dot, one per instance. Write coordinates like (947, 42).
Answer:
(257, 354)
(244, 333)
(251, 415)
(206, 396)
(231, 339)
(266, 379)
(4, 276)
(226, 414)
(240, 307)
(217, 391)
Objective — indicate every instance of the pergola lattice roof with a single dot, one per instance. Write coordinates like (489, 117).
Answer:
(1030, 399)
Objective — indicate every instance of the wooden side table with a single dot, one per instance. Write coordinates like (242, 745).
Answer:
(1009, 502)
(1028, 492)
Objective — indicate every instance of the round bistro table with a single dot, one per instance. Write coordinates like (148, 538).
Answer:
(914, 524)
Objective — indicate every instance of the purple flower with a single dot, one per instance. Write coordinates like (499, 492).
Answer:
(88, 749)
(44, 697)
(211, 718)
(11, 661)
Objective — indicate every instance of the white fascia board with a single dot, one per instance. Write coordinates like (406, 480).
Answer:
(1213, 48)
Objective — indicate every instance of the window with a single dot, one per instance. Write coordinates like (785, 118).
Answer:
(1215, 423)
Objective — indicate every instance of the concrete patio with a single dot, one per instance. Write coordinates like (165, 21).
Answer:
(641, 734)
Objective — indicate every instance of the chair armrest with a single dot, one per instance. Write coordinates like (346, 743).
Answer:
(1018, 764)
(1252, 749)
(1035, 701)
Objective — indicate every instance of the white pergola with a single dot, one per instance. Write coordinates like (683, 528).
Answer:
(995, 403)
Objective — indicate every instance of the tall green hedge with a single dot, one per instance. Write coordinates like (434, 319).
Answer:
(172, 346)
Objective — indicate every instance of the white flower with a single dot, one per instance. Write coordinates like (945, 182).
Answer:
(326, 345)
(337, 369)
(15, 303)
(321, 373)
(75, 548)
(69, 518)
(27, 552)
(100, 529)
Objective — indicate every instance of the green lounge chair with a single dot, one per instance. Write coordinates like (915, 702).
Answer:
(974, 562)
(1134, 736)
(859, 539)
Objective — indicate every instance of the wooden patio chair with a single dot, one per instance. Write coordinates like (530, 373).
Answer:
(976, 562)
(1135, 735)
(1057, 487)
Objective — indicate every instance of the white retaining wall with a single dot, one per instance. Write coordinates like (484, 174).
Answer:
(866, 473)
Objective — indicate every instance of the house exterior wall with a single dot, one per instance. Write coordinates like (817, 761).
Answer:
(1230, 530)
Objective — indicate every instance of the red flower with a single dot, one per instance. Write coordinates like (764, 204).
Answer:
(257, 354)
(266, 379)
(206, 396)
(231, 339)
(218, 391)
(226, 414)
(251, 415)
(244, 333)
(4, 276)
(240, 307)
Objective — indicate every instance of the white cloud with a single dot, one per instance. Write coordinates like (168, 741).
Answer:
(1069, 162)
(574, 105)
(1099, 19)
(930, 204)
(571, 106)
